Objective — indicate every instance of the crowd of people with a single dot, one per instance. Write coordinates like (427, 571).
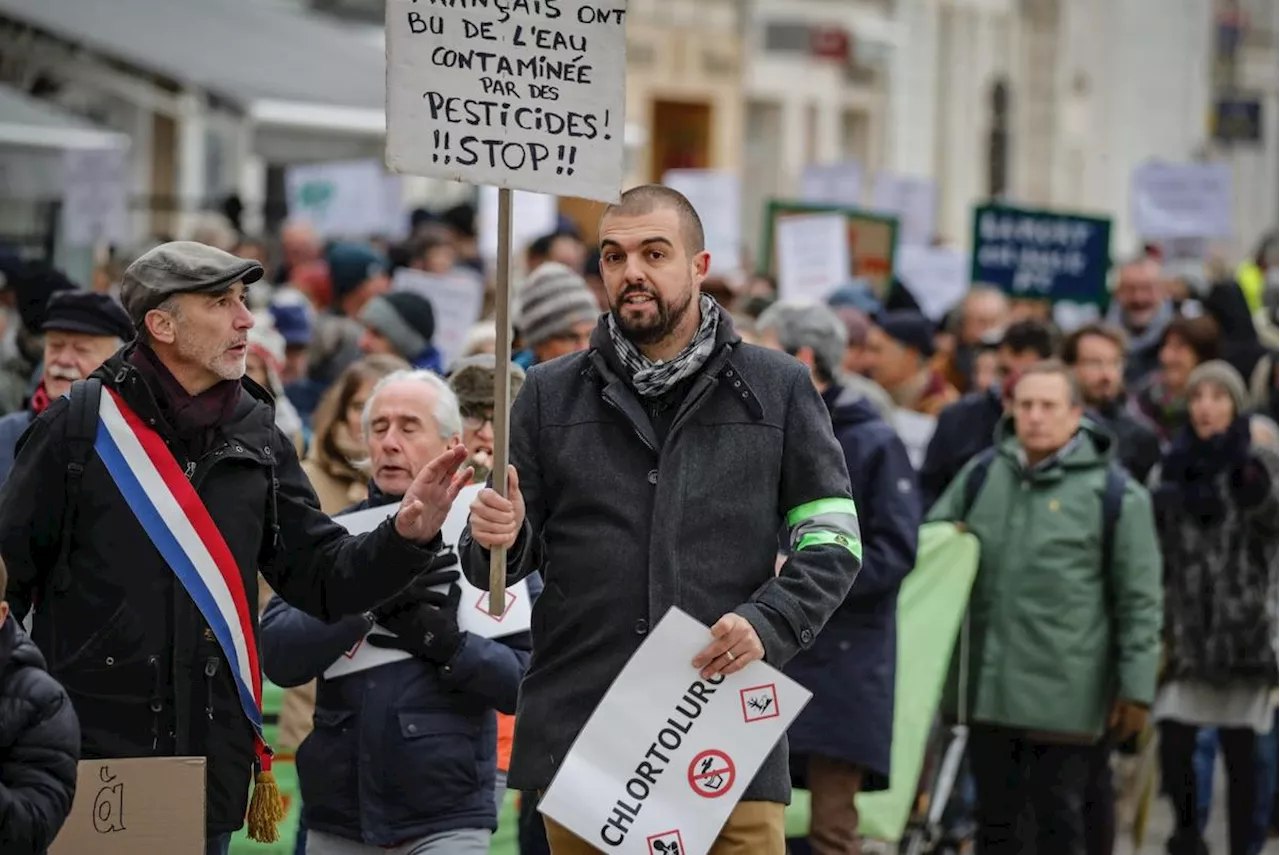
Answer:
(1120, 476)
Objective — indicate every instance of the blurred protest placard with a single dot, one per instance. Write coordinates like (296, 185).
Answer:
(348, 198)
(526, 96)
(832, 184)
(1182, 200)
(95, 196)
(1043, 255)
(717, 197)
(912, 201)
(871, 240)
(813, 256)
(457, 298)
(533, 215)
(937, 276)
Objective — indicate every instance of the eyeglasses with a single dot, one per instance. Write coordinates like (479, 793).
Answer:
(477, 422)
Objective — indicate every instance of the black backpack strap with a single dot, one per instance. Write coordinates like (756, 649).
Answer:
(1112, 504)
(82, 432)
(975, 479)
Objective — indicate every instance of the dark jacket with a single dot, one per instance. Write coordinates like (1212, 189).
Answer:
(1137, 445)
(141, 665)
(12, 427)
(401, 751)
(39, 747)
(851, 668)
(624, 527)
(965, 429)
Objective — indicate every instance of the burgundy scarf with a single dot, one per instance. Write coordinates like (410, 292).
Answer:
(194, 418)
(40, 399)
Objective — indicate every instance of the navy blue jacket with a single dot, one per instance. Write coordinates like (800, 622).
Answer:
(404, 750)
(12, 427)
(851, 667)
(966, 428)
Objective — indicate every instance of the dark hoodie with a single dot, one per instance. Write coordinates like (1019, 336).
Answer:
(851, 667)
(39, 747)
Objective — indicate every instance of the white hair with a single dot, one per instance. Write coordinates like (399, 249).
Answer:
(447, 416)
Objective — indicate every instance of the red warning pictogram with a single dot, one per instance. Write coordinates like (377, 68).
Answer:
(482, 606)
(759, 703)
(711, 774)
(666, 843)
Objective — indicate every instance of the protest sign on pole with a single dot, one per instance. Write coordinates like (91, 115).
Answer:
(527, 95)
(1041, 255)
(666, 755)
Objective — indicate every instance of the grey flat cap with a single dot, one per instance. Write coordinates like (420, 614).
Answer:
(181, 267)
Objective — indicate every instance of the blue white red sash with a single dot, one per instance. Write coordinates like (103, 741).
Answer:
(177, 522)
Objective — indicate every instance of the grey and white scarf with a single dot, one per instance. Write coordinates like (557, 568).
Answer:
(652, 379)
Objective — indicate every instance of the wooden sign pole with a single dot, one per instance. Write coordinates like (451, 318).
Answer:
(501, 395)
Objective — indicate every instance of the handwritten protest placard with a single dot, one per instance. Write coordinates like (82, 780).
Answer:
(813, 256)
(472, 616)
(666, 755)
(135, 804)
(523, 94)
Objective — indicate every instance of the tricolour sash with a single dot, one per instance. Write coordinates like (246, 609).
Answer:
(178, 523)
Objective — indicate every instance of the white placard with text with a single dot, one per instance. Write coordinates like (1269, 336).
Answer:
(473, 608)
(527, 94)
(813, 255)
(666, 756)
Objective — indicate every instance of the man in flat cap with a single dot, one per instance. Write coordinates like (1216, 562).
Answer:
(140, 555)
(81, 329)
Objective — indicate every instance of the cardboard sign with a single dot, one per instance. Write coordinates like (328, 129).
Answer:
(1041, 255)
(133, 805)
(457, 299)
(666, 756)
(473, 615)
(1182, 200)
(527, 95)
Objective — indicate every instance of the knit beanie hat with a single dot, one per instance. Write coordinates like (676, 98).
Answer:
(554, 299)
(1226, 378)
(404, 318)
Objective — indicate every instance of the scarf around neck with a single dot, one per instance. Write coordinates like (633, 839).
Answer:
(1192, 466)
(194, 418)
(652, 379)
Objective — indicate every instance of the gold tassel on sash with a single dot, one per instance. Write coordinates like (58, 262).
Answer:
(266, 808)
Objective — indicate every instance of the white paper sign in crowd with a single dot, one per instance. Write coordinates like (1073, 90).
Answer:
(473, 614)
(523, 94)
(1182, 200)
(937, 276)
(833, 184)
(347, 198)
(666, 755)
(457, 298)
(813, 255)
(717, 197)
(912, 201)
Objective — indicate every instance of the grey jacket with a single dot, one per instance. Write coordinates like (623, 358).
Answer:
(622, 530)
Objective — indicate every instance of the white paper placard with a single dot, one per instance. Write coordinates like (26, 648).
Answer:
(717, 197)
(813, 255)
(912, 201)
(525, 95)
(473, 608)
(95, 198)
(666, 755)
(347, 199)
(532, 216)
(833, 184)
(1182, 200)
(936, 276)
(456, 298)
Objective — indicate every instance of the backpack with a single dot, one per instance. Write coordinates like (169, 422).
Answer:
(81, 436)
(1112, 499)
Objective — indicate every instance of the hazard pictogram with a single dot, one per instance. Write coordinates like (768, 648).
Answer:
(711, 774)
(666, 843)
(482, 606)
(759, 703)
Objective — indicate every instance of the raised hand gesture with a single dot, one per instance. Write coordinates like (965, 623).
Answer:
(426, 503)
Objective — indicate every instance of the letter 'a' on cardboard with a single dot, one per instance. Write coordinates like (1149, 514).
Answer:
(522, 96)
(135, 805)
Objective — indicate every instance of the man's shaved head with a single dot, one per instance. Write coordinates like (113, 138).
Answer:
(648, 198)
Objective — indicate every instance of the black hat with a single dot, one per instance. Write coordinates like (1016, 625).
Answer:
(33, 284)
(910, 329)
(87, 312)
(182, 267)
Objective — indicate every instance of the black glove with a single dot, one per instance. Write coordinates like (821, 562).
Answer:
(427, 629)
(1251, 484)
(436, 574)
